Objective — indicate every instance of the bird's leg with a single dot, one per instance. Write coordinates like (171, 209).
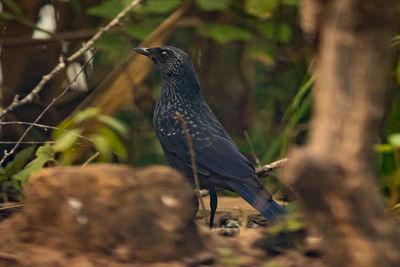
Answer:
(195, 205)
(213, 205)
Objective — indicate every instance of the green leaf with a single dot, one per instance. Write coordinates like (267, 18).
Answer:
(107, 9)
(110, 43)
(224, 33)
(101, 144)
(7, 16)
(275, 31)
(394, 139)
(383, 148)
(157, 6)
(139, 32)
(301, 94)
(17, 163)
(44, 154)
(114, 123)
(12, 6)
(16, 184)
(211, 5)
(85, 114)
(62, 127)
(66, 140)
(261, 8)
(114, 142)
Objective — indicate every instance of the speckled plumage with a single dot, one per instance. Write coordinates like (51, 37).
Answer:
(220, 164)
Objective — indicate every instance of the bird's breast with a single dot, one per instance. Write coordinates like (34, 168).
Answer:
(166, 125)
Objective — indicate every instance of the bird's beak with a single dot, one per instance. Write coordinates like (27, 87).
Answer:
(142, 50)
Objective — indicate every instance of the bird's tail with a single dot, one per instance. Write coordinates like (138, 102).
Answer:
(266, 206)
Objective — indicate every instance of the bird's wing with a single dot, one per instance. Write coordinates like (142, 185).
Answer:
(221, 156)
(216, 153)
(224, 158)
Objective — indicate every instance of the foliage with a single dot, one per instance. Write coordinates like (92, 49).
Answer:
(213, 5)
(141, 26)
(388, 165)
(44, 154)
(224, 33)
(106, 139)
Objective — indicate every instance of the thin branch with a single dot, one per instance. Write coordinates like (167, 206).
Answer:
(264, 170)
(8, 153)
(253, 153)
(62, 64)
(12, 206)
(81, 35)
(9, 256)
(26, 142)
(93, 157)
(44, 127)
(192, 158)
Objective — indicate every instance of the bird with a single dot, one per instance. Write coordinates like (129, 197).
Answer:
(219, 163)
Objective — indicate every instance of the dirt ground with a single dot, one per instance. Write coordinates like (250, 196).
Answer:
(108, 215)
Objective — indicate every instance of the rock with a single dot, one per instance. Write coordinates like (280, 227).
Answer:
(126, 214)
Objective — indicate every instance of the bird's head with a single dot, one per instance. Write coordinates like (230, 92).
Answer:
(168, 60)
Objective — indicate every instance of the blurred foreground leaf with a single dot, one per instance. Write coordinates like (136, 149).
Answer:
(44, 154)
(394, 139)
(66, 140)
(14, 166)
(114, 123)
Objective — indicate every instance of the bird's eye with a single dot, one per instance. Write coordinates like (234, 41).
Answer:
(164, 54)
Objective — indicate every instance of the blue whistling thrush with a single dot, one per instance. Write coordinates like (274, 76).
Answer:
(220, 164)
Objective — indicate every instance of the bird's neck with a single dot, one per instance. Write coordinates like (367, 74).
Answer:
(182, 86)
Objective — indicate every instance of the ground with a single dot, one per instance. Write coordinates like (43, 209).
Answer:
(98, 216)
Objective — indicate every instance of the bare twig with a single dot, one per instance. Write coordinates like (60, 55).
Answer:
(93, 157)
(74, 36)
(9, 256)
(26, 142)
(192, 158)
(44, 127)
(253, 153)
(8, 153)
(62, 64)
(263, 170)
(81, 35)
(12, 206)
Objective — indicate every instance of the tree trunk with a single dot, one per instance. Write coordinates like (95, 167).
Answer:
(332, 174)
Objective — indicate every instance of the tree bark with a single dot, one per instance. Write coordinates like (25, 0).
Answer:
(332, 174)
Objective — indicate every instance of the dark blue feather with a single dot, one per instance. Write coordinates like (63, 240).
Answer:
(267, 207)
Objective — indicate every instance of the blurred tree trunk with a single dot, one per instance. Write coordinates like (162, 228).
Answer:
(222, 81)
(332, 175)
